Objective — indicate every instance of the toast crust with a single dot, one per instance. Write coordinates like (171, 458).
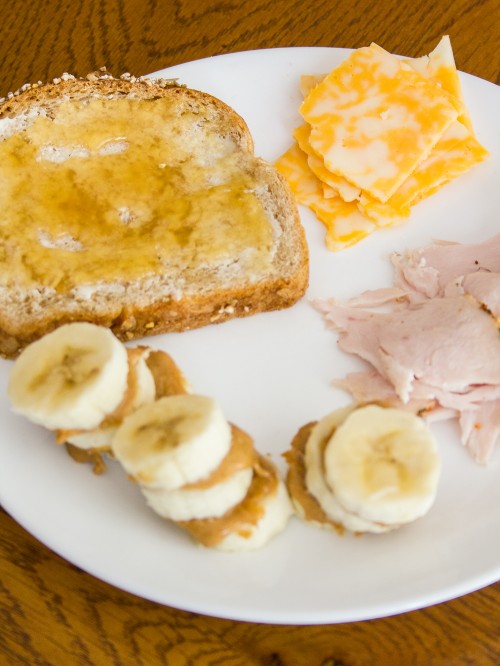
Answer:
(200, 296)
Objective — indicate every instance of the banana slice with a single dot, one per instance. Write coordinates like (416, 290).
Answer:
(306, 506)
(98, 440)
(214, 495)
(140, 391)
(383, 465)
(176, 440)
(71, 378)
(213, 502)
(317, 484)
(263, 513)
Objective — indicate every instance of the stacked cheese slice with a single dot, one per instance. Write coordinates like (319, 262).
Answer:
(380, 134)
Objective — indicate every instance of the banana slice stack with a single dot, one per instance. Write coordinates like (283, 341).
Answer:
(204, 474)
(80, 381)
(192, 466)
(364, 469)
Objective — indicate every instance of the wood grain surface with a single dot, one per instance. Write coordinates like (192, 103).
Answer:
(52, 613)
(40, 40)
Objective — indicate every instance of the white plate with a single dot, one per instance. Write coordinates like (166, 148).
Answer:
(272, 374)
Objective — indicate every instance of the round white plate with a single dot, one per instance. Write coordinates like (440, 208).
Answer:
(271, 374)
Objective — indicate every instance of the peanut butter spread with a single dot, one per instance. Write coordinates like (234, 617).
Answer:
(167, 376)
(244, 516)
(92, 456)
(107, 190)
(240, 456)
(306, 503)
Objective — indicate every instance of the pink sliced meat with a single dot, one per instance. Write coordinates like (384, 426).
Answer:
(482, 286)
(427, 271)
(369, 386)
(480, 429)
(435, 341)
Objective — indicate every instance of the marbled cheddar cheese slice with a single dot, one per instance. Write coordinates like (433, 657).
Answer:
(374, 119)
(308, 81)
(440, 66)
(456, 152)
(333, 182)
(345, 224)
(304, 184)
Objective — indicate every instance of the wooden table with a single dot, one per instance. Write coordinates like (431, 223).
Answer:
(53, 613)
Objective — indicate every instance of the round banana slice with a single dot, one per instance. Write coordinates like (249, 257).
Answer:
(212, 502)
(99, 439)
(383, 465)
(71, 378)
(176, 440)
(215, 494)
(140, 391)
(306, 506)
(318, 485)
(263, 513)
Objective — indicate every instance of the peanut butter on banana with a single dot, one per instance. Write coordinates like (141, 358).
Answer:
(168, 381)
(211, 531)
(305, 503)
(167, 376)
(123, 408)
(92, 456)
(240, 456)
(107, 190)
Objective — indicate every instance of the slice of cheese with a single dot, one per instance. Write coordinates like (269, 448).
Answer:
(336, 183)
(374, 119)
(345, 224)
(440, 66)
(308, 81)
(456, 152)
(304, 184)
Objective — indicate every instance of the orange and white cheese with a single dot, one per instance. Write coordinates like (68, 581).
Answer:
(380, 133)
(345, 224)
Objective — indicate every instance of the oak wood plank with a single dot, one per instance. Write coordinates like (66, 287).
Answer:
(40, 40)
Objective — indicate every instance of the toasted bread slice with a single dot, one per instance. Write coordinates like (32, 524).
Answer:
(139, 205)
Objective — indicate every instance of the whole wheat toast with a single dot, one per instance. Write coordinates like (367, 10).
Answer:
(139, 205)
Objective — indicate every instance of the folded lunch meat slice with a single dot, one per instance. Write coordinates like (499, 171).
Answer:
(480, 428)
(434, 342)
(432, 270)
